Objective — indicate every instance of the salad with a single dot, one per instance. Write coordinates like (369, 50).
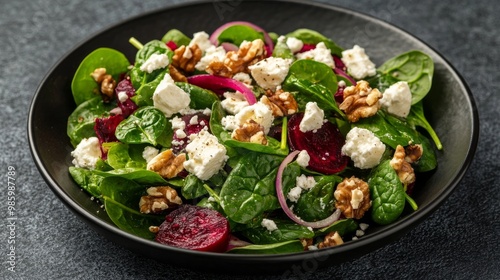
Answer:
(248, 141)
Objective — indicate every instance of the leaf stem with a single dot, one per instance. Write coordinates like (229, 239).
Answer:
(284, 136)
(135, 43)
(412, 202)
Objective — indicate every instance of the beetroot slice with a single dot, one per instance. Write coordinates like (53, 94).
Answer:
(323, 145)
(196, 228)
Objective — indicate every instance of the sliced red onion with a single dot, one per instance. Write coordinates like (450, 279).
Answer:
(340, 72)
(220, 85)
(267, 39)
(229, 46)
(282, 200)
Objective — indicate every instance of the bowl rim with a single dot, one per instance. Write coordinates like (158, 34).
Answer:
(387, 233)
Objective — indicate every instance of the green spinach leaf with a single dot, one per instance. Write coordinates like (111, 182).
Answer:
(121, 155)
(200, 98)
(236, 34)
(309, 36)
(342, 227)
(286, 230)
(292, 246)
(146, 125)
(177, 37)
(317, 203)
(417, 118)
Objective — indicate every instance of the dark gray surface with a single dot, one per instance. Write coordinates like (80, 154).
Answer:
(458, 241)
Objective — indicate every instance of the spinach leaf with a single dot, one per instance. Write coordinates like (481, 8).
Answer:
(146, 125)
(200, 98)
(287, 230)
(139, 77)
(193, 187)
(414, 67)
(216, 126)
(282, 50)
(309, 36)
(83, 85)
(291, 246)
(82, 119)
(312, 81)
(387, 193)
(417, 118)
(87, 180)
(236, 34)
(273, 146)
(121, 155)
(177, 37)
(343, 227)
(138, 175)
(121, 201)
(144, 94)
(317, 203)
(249, 189)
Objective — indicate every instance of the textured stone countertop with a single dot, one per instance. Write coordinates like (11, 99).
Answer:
(458, 241)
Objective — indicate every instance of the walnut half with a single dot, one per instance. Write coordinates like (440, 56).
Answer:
(250, 131)
(360, 101)
(281, 103)
(238, 61)
(167, 164)
(159, 199)
(352, 197)
(401, 162)
(106, 83)
(331, 239)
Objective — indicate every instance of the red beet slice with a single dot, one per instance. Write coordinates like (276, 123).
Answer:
(196, 228)
(323, 145)
(193, 126)
(127, 106)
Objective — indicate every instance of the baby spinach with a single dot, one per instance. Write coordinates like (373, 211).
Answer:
(387, 193)
(249, 189)
(236, 34)
(87, 180)
(292, 246)
(312, 81)
(176, 36)
(139, 77)
(414, 67)
(200, 98)
(317, 203)
(417, 118)
(121, 201)
(83, 85)
(309, 36)
(121, 155)
(273, 146)
(193, 187)
(342, 227)
(146, 125)
(282, 50)
(286, 230)
(138, 175)
(144, 94)
(82, 119)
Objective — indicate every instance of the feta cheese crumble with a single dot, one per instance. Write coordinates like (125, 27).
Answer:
(270, 225)
(206, 156)
(234, 102)
(87, 153)
(294, 44)
(211, 53)
(270, 72)
(303, 158)
(320, 54)
(396, 99)
(259, 112)
(169, 98)
(358, 63)
(363, 147)
(154, 62)
(122, 96)
(313, 118)
(202, 40)
(149, 153)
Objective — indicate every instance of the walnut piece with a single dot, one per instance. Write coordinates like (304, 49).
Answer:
(159, 199)
(186, 57)
(352, 197)
(106, 83)
(238, 61)
(360, 101)
(413, 152)
(176, 75)
(167, 164)
(331, 239)
(402, 167)
(251, 131)
(281, 103)
(306, 242)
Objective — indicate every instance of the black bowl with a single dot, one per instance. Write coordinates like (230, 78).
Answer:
(450, 109)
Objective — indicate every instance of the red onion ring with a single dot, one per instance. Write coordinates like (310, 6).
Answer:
(220, 84)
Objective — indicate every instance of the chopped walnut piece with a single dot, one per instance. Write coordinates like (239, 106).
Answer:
(360, 101)
(251, 131)
(352, 197)
(238, 61)
(106, 83)
(281, 103)
(167, 164)
(306, 242)
(186, 57)
(159, 199)
(402, 167)
(331, 239)
(176, 75)
(413, 153)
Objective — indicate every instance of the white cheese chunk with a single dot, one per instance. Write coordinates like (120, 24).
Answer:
(202, 40)
(211, 53)
(294, 44)
(258, 112)
(363, 147)
(206, 156)
(122, 96)
(396, 99)
(320, 54)
(270, 225)
(294, 194)
(269, 73)
(169, 98)
(149, 153)
(313, 118)
(358, 63)
(154, 62)
(234, 102)
(229, 122)
(305, 182)
(87, 153)
(303, 158)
